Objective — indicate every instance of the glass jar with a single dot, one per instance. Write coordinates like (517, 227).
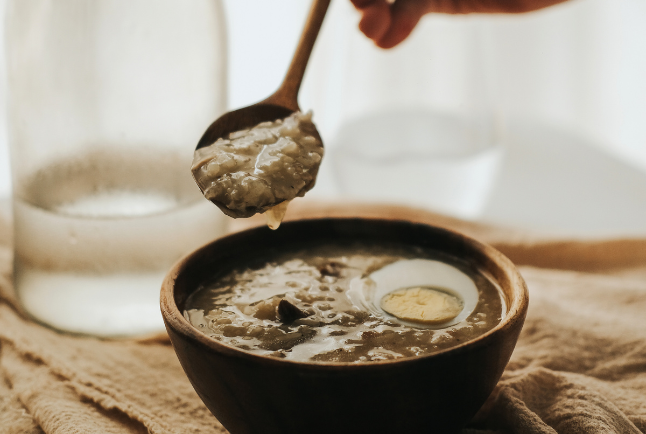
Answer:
(107, 100)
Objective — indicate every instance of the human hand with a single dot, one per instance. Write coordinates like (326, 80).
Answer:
(388, 23)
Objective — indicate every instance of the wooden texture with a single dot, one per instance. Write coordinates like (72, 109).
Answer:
(285, 100)
(253, 394)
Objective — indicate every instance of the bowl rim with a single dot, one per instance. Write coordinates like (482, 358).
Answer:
(173, 318)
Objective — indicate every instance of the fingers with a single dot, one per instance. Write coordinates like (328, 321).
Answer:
(389, 23)
(488, 6)
(375, 19)
(404, 16)
(360, 4)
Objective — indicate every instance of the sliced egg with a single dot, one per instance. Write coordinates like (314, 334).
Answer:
(417, 292)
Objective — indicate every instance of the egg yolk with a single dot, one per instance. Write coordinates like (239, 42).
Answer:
(422, 305)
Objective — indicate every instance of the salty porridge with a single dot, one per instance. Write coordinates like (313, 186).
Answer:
(350, 303)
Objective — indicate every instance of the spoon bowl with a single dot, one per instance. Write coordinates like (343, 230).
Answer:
(247, 118)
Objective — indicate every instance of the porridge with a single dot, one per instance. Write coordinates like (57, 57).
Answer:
(350, 303)
(259, 169)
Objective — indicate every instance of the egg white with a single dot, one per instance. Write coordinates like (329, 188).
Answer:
(367, 292)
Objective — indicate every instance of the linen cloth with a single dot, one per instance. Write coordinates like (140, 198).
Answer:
(579, 365)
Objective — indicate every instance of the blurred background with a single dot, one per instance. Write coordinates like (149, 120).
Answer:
(535, 120)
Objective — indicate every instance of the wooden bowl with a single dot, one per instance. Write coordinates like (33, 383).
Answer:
(252, 394)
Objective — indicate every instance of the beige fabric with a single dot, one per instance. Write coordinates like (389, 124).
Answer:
(579, 366)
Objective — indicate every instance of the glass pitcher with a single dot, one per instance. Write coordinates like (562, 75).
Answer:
(107, 100)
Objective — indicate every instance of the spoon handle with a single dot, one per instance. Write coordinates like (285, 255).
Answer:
(287, 93)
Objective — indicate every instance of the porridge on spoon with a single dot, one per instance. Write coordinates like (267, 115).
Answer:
(259, 170)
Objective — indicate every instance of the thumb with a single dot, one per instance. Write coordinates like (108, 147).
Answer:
(404, 16)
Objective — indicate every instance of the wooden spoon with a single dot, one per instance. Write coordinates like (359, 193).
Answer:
(285, 100)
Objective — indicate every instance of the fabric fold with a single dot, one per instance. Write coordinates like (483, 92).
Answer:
(55, 405)
(142, 381)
